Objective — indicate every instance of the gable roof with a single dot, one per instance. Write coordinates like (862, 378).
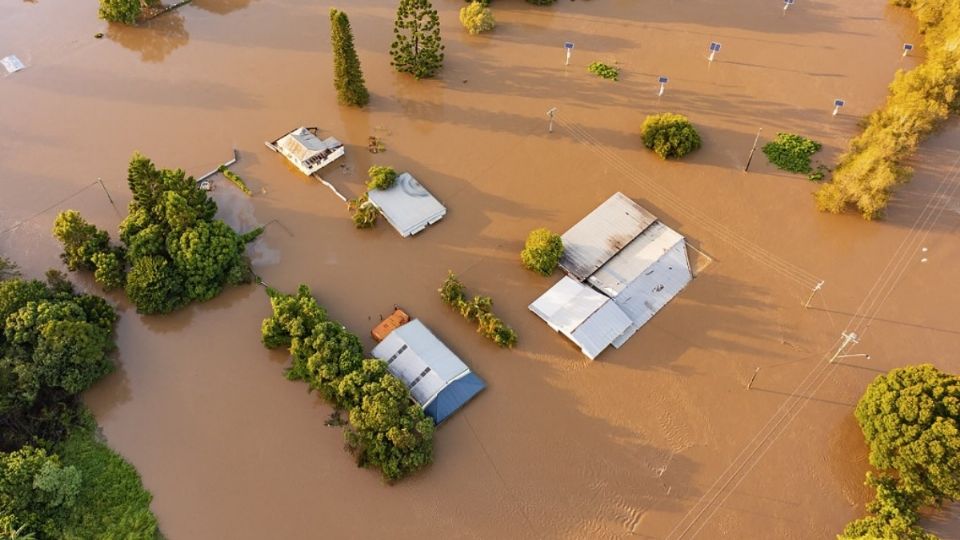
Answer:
(606, 230)
(302, 144)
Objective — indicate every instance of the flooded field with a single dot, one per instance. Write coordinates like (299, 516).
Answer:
(660, 439)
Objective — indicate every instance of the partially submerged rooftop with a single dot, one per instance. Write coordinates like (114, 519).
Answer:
(407, 205)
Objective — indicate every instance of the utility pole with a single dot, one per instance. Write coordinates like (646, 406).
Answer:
(848, 338)
(551, 113)
(109, 198)
(813, 292)
(750, 384)
(752, 150)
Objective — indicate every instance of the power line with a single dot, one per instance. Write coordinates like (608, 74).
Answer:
(51, 207)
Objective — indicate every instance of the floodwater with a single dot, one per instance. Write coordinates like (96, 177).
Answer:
(660, 439)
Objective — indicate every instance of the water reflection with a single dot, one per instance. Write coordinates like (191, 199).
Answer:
(155, 39)
(221, 7)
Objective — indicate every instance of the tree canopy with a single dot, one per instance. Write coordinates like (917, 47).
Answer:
(416, 47)
(347, 75)
(542, 251)
(669, 135)
(387, 429)
(122, 11)
(174, 252)
(477, 17)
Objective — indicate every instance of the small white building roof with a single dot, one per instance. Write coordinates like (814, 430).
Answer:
(407, 205)
(303, 145)
(588, 318)
(604, 232)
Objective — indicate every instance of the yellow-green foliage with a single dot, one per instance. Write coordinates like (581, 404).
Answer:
(477, 18)
(920, 99)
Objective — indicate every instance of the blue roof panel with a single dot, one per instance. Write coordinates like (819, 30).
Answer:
(453, 396)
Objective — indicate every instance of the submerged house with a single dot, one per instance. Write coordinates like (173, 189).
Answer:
(407, 205)
(439, 381)
(306, 150)
(623, 265)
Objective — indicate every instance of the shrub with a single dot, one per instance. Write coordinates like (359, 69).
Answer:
(605, 71)
(347, 75)
(416, 48)
(364, 212)
(791, 152)
(122, 11)
(477, 18)
(236, 180)
(669, 135)
(919, 101)
(381, 177)
(542, 251)
(478, 310)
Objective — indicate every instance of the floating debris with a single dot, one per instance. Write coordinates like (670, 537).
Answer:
(12, 64)
(375, 145)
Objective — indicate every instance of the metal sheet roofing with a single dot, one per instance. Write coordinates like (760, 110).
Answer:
(601, 234)
(636, 259)
(428, 368)
(407, 205)
(586, 317)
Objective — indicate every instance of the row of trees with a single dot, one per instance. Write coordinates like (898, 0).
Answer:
(478, 310)
(387, 429)
(919, 101)
(56, 479)
(910, 418)
(173, 251)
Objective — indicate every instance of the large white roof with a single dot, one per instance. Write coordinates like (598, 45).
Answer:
(420, 360)
(635, 259)
(407, 205)
(605, 231)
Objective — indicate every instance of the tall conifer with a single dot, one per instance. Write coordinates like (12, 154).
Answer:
(416, 48)
(347, 76)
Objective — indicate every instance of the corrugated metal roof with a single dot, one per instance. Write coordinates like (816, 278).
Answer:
(586, 317)
(420, 360)
(604, 232)
(635, 259)
(407, 205)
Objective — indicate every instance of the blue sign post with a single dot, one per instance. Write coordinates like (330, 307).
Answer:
(568, 46)
(837, 103)
(714, 49)
(663, 84)
(907, 47)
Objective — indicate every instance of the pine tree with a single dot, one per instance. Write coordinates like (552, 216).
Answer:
(416, 48)
(347, 76)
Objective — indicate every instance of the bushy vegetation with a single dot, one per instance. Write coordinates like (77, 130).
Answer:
(381, 177)
(235, 179)
(792, 153)
(347, 75)
(416, 47)
(174, 252)
(387, 430)
(605, 71)
(669, 135)
(477, 17)
(364, 212)
(919, 101)
(910, 418)
(122, 11)
(56, 480)
(542, 251)
(478, 310)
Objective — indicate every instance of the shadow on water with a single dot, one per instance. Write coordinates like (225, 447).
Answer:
(221, 7)
(155, 39)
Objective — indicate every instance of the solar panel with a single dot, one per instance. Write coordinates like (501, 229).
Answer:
(838, 103)
(662, 80)
(714, 46)
(568, 45)
(907, 47)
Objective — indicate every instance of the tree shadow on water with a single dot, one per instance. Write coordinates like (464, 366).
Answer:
(155, 39)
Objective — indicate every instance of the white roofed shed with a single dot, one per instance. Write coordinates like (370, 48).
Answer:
(407, 205)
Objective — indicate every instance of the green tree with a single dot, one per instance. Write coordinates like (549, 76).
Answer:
(417, 48)
(36, 489)
(81, 240)
(893, 515)
(452, 292)
(324, 357)
(477, 18)
(911, 420)
(347, 75)
(669, 135)
(122, 11)
(294, 317)
(208, 256)
(381, 177)
(154, 286)
(542, 251)
(110, 269)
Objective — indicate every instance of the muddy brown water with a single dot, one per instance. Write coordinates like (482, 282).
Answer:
(658, 439)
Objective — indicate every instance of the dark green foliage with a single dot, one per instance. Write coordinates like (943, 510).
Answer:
(347, 75)
(791, 152)
(919, 101)
(416, 47)
(122, 11)
(381, 177)
(669, 135)
(605, 71)
(54, 345)
(478, 310)
(174, 251)
(893, 515)
(387, 430)
(36, 491)
(542, 251)
(911, 420)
